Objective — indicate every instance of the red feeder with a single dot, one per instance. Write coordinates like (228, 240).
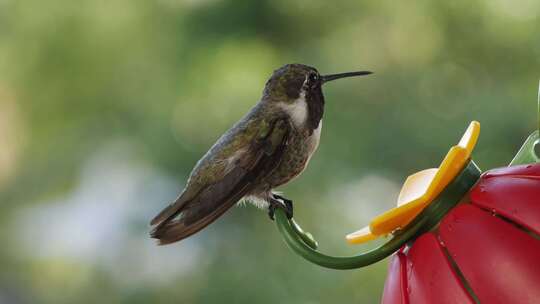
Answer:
(486, 248)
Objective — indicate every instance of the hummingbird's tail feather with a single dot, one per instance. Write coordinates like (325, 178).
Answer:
(205, 208)
(192, 219)
(171, 210)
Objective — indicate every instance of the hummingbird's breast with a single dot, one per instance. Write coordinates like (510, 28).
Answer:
(301, 146)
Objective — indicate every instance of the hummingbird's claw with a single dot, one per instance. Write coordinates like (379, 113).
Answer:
(279, 201)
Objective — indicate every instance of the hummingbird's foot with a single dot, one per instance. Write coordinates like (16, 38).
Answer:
(278, 201)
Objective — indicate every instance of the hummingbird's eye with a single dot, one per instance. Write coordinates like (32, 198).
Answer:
(313, 77)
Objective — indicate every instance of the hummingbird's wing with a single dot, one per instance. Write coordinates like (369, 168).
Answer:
(192, 212)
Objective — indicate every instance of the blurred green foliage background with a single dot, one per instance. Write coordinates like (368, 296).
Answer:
(105, 106)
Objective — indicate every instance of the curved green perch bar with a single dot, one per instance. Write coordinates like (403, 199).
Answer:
(305, 245)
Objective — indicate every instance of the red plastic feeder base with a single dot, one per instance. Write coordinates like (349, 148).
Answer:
(486, 248)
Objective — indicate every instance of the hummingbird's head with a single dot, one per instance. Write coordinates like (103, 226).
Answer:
(297, 90)
(291, 81)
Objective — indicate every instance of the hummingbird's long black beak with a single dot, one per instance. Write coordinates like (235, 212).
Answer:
(327, 78)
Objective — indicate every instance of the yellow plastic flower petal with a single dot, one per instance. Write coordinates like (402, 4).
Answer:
(361, 236)
(420, 189)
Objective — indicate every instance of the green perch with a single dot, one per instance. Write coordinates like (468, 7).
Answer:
(305, 245)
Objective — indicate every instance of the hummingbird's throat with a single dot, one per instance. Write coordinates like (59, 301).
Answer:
(297, 110)
(307, 110)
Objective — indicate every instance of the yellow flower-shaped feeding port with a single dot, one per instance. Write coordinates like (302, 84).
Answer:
(420, 189)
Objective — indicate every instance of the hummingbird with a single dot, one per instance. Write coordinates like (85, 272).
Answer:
(271, 145)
